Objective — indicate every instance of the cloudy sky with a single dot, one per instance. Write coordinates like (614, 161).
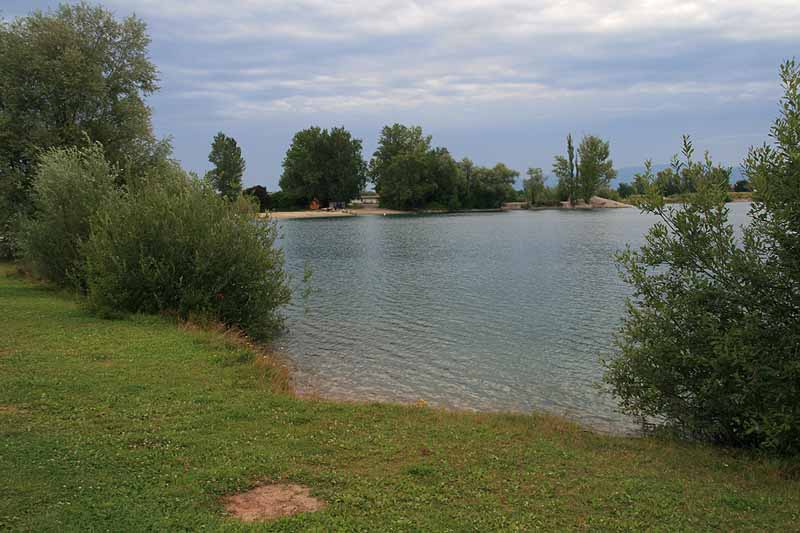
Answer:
(493, 80)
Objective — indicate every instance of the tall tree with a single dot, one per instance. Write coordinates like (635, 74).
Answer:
(226, 176)
(534, 185)
(72, 77)
(396, 140)
(595, 169)
(324, 164)
(408, 173)
(567, 172)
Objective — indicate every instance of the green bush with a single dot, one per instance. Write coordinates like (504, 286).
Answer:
(283, 201)
(173, 245)
(68, 188)
(710, 342)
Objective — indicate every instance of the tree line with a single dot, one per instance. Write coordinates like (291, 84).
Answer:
(409, 172)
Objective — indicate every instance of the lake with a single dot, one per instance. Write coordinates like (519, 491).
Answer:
(496, 311)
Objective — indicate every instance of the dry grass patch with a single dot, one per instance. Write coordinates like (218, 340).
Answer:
(269, 502)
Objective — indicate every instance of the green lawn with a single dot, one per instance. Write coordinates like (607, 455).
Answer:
(138, 424)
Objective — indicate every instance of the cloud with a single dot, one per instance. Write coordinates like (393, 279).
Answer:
(312, 56)
(453, 64)
(325, 20)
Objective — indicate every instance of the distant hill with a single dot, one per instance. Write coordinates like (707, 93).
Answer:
(626, 174)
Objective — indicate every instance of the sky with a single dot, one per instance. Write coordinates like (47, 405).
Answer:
(492, 80)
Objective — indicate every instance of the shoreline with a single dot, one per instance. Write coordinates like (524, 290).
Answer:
(343, 213)
(152, 424)
(597, 203)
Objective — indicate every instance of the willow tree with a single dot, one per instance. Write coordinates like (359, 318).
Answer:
(710, 341)
(74, 76)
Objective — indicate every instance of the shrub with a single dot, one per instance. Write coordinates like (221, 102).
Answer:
(710, 341)
(173, 245)
(282, 200)
(68, 188)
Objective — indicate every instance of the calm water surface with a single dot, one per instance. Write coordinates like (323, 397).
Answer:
(500, 311)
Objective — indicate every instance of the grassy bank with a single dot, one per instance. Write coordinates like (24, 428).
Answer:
(139, 424)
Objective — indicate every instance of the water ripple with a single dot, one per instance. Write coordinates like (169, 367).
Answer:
(486, 312)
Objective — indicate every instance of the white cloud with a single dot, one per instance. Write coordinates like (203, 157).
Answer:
(345, 20)
(259, 58)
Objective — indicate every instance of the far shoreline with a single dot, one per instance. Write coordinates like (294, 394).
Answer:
(597, 203)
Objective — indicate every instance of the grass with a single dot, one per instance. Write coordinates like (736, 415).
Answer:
(138, 424)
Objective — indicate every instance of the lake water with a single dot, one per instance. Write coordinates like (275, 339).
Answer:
(496, 311)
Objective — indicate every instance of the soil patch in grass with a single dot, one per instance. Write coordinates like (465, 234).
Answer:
(268, 502)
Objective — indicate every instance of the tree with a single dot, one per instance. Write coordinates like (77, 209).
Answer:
(70, 186)
(625, 190)
(640, 180)
(567, 171)
(260, 193)
(709, 343)
(395, 140)
(408, 173)
(74, 76)
(534, 185)
(416, 180)
(595, 169)
(492, 186)
(326, 165)
(226, 176)
(466, 176)
(742, 186)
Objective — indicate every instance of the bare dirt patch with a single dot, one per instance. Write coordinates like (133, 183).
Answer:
(268, 502)
(10, 409)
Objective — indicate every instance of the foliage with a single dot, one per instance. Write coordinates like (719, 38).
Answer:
(681, 179)
(283, 201)
(710, 340)
(172, 244)
(70, 185)
(609, 193)
(567, 171)
(326, 165)
(395, 140)
(534, 186)
(226, 176)
(72, 77)
(625, 190)
(742, 186)
(485, 187)
(144, 426)
(408, 173)
(417, 179)
(260, 193)
(595, 169)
